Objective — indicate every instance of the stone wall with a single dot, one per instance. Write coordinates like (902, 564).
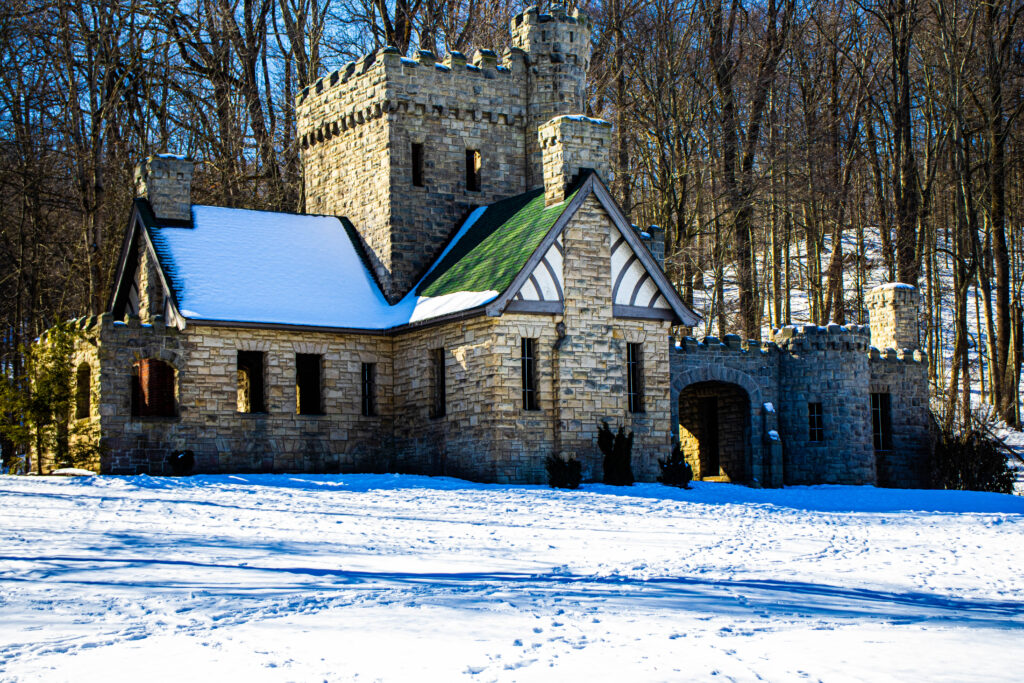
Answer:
(750, 367)
(486, 433)
(827, 366)
(592, 358)
(904, 376)
(208, 421)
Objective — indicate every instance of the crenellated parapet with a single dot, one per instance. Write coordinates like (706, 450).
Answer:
(384, 82)
(729, 344)
(835, 337)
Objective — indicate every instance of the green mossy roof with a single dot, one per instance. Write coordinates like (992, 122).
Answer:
(496, 247)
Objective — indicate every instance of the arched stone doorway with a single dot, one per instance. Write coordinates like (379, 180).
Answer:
(714, 430)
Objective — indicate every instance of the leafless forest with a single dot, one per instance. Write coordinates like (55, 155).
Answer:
(789, 149)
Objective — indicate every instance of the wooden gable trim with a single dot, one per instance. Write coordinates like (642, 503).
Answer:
(498, 306)
(682, 311)
(138, 229)
(125, 272)
(593, 184)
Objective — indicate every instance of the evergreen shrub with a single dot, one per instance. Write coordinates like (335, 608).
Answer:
(675, 471)
(617, 449)
(563, 473)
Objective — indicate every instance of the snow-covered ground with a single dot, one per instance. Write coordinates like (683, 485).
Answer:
(387, 577)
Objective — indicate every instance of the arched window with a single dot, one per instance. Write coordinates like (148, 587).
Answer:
(83, 391)
(153, 389)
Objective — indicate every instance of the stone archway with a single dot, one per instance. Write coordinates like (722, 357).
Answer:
(737, 408)
(714, 430)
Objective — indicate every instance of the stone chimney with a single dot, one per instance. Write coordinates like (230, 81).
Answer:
(166, 181)
(570, 144)
(654, 239)
(894, 316)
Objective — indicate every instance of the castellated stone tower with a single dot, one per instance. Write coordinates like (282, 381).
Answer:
(166, 181)
(824, 381)
(557, 48)
(893, 313)
(407, 148)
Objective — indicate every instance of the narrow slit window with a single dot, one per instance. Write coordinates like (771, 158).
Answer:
(437, 377)
(369, 389)
(815, 422)
(529, 372)
(83, 390)
(250, 382)
(417, 164)
(474, 164)
(308, 393)
(635, 377)
(881, 421)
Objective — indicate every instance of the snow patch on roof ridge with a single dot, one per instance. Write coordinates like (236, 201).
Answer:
(585, 119)
(892, 285)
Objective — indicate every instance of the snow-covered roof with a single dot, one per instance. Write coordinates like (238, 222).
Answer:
(264, 267)
(270, 268)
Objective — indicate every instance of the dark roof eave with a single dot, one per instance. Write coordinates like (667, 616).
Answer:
(297, 327)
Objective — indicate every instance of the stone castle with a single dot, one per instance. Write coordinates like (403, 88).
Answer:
(465, 297)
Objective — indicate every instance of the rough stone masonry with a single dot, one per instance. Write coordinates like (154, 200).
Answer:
(405, 149)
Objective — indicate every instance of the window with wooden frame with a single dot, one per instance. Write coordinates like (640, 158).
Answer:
(417, 164)
(635, 377)
(437, 382)
(369, 372)
(153, 389)
(528, 361)
(815, 422)
(881, 421)
(83, 391)
(308, 383)
(250, 382)
(474, 165)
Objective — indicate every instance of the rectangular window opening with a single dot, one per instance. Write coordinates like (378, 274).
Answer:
(308, 393)
(417, 164)
(815, 423)
(635, 377)
(369, 389)
(529, 371)
(474, 163)
(881, 421)
(437, 383)
(250, 382)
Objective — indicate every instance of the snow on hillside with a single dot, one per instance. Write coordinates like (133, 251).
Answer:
(386, 577)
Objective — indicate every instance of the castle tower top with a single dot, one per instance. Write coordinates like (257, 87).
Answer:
(893, 313)
(557, 48)
(559, 31)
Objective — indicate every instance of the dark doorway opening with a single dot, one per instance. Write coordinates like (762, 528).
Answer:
(714, 430)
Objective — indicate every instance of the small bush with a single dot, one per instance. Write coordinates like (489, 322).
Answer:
(617, 450)
(182, 463)
(972, 459)
(675, 471)
(563, 473)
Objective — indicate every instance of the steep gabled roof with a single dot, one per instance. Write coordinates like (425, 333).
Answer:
(269, 269)
(495, 249)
